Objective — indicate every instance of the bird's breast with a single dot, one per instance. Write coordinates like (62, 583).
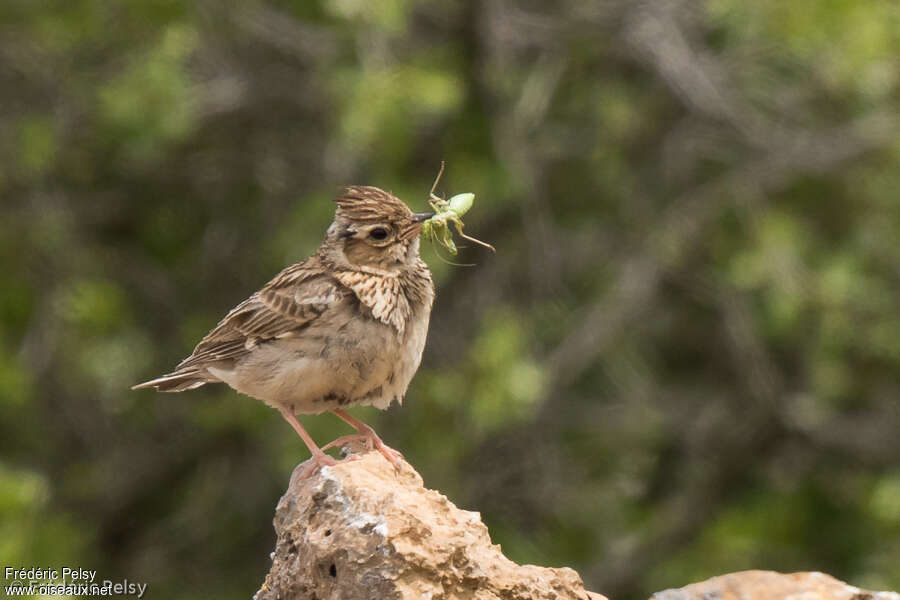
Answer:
(344, 359)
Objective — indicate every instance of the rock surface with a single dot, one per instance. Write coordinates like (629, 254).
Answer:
(361, 531)
(769, 585)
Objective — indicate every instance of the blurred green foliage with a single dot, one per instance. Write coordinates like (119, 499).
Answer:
(683, 360)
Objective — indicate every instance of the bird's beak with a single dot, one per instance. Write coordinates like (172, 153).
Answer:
(421, 217)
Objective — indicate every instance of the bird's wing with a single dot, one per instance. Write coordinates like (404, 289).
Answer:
(287, 304)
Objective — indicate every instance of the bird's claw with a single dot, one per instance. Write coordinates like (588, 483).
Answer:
(346, 440)
(392, 456)
(318, 461)
(372, 442)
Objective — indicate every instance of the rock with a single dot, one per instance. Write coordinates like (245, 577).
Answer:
(361, 531)
(769, 585)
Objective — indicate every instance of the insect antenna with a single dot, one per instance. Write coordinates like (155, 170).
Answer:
(434, 185)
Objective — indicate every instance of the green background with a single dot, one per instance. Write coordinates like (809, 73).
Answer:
(682, 361)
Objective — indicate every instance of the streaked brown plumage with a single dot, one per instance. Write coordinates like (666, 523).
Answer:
(345, 327)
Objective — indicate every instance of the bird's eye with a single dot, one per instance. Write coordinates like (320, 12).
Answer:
(379, 233)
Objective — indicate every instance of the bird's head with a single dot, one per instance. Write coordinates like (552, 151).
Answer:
(374, 229)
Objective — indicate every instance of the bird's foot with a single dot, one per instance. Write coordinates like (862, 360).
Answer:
(320, 460)
(371, 442)
(351, 440)
(393, 457)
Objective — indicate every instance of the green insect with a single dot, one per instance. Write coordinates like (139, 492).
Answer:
(447, 212)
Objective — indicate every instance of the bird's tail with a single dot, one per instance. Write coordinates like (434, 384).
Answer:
(178, 381)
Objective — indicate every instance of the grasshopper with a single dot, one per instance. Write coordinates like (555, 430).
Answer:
(447, 212)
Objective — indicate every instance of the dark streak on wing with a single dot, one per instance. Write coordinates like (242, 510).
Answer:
(287, 304)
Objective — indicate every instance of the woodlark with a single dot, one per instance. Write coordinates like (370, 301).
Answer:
(345, 327)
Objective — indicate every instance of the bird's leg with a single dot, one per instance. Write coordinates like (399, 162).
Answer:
(319, 458)
(367, 432)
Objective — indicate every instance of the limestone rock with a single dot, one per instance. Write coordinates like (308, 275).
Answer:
(769, 585)
(361, 531)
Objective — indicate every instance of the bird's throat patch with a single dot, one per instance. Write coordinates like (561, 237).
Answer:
(382, 294)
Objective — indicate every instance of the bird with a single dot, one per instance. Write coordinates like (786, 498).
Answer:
(345, 327)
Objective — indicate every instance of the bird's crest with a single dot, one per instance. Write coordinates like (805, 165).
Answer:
(364, 203)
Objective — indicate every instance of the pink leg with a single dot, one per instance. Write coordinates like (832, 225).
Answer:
(320, 459)
(394, 457)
